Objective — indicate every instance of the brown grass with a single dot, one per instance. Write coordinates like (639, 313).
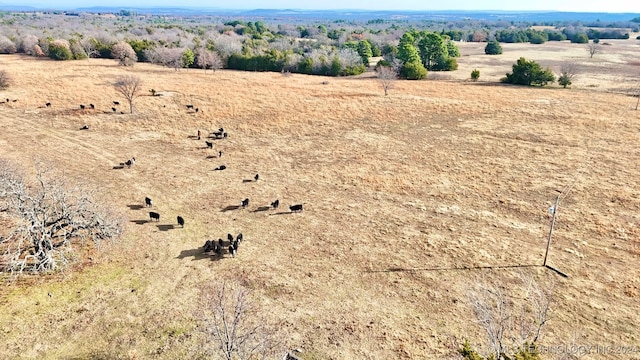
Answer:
(401, 193)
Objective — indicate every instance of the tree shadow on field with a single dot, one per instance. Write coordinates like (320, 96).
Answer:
(135, 206)
(140, 222)
(197, 254)
(230, 208)
(166, 227)
(262, 208)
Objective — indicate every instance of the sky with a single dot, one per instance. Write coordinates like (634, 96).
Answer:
(611, 6)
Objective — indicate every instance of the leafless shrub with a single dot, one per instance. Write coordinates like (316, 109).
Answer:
(510, 322)
(129, 86)
(50, 220)
(168, 57)
(124, 53)
(7, 46)
(233, 326)
(5, 79)
(228, 44)
(29, 42)
(387, 76)
(89, 46)
(207, 59)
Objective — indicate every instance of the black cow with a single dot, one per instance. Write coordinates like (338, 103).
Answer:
(221, 167)
(189, 106)
(224, 135)
(196, 109)
(220, 242)
(85, 127)
(180, 221)
(235, 245)
(218, 134)
(219, 153)
(154, 216)
(239, 237)
(275, 204)
(230, 238)
(244, 203)
(81, 106)
(295, 208)
(209, 245)
(48, 104)
(148, 202)
(92, 106)
(114, 109)
(256, 177)
(116, 103)
(232, 250)
(217, 249)
(209, 144)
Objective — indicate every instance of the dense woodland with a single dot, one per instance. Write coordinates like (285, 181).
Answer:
(322, 47)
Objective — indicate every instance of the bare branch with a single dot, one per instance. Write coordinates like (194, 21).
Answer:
(387, 77)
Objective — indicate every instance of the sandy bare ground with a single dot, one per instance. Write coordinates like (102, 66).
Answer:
(406, 196)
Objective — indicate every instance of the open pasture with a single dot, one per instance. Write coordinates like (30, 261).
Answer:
(406, 198)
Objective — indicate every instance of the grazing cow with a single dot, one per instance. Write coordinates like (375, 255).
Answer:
(256, 177)
(239, 237)
(116, 103)
(230, 238)
(48, 104)
(86, 127)
(114, 109)
(180, 221)
(295, 208)
(275, 204)
(221, 167)
(232, 251)
(221, 130)
(154, 216)
(209, 245)
(217, 249)
(209, 144)
(148, 202)
(224, 135)
(220, 242)
(235, 245)
(244, 203)
(189, 106)
(218, 134)
(81, 106)
(219, 153)
(92, 106)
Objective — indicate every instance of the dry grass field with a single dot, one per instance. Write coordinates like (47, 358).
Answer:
(407, 198)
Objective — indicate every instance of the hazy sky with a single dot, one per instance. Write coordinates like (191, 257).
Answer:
(559, 5)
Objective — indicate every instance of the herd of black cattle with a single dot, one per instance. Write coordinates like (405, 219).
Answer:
(216, 248)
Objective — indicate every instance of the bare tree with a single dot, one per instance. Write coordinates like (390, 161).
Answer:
(568, 72)
(129, 86)
(7, 46)
(508, 323)
(49, 220)
(593, 48)
(209, 59)
(233, 327)
(124, 53)
(5, 79)
(168, 57)
(387, 76)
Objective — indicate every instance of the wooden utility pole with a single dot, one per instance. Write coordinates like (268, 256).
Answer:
(553, 221)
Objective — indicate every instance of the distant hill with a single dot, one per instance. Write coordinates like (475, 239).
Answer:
(351, 15)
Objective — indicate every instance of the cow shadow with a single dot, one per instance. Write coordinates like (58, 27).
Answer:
(283, 213)
(212, 157)
(230, 208)
(118, 167)
(140, 222)
(262, 208)
(135, 206)
(163, 227)
(197, 254)
(193, 137)
(247, 180)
